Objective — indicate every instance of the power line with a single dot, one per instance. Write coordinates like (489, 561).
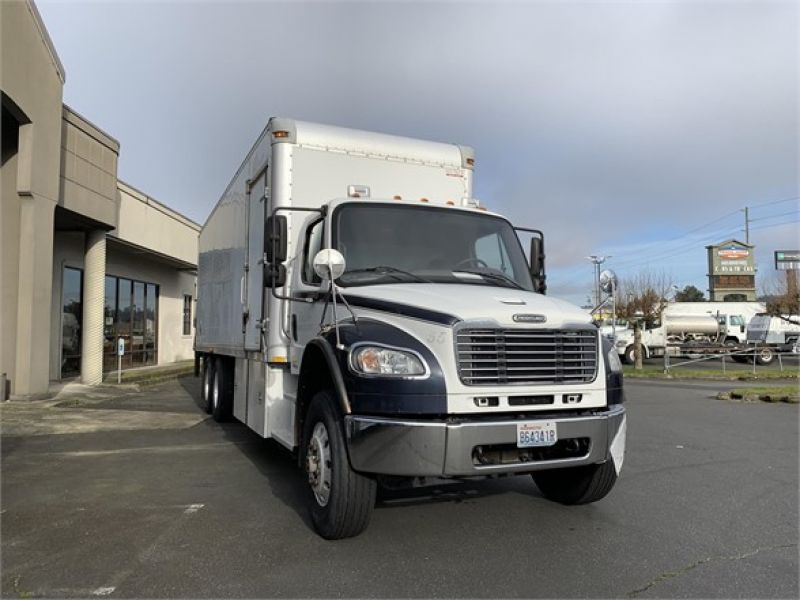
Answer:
(793, 212)
(796, 198)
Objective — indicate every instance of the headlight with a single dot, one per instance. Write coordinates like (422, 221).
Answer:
(614, 365)
(382, 360)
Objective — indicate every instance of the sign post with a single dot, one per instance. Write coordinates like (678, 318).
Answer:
(120, 353)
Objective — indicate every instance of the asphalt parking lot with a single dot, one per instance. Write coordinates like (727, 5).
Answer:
(142, 496)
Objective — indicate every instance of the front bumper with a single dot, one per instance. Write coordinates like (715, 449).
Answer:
(421, 448)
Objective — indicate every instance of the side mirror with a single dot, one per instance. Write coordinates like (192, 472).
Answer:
(274, 275)
(538, 275)
(329, 264)
(276, 239)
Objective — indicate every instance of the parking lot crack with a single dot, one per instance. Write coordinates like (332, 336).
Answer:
(682, 571)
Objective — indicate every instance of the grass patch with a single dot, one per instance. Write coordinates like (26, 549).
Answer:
(774, 393)
(651, 372)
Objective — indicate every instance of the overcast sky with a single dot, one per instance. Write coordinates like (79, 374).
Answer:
(636, 129)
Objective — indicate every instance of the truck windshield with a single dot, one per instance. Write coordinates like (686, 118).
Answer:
(422, 244)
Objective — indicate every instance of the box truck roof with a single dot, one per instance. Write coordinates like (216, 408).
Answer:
(367, 143)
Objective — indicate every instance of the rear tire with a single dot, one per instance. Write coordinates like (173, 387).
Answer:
(577, 485)
(765, 356)
(630, 355)
(340, 500)
(221, 391)
(206, 383)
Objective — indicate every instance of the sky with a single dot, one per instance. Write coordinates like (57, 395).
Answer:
(637, 130)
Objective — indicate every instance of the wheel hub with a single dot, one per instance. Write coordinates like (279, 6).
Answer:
(318, 464)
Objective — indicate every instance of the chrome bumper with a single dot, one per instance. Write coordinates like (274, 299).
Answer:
(440, 448)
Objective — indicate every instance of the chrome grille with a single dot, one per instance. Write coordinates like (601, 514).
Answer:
(503, 356)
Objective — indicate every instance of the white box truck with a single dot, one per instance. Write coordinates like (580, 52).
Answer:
(358, 306)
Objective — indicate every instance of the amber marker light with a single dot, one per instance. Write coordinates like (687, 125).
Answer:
(424, 200)
(280, 134)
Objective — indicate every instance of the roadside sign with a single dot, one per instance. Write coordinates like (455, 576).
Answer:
(121, 346)
(787, 260)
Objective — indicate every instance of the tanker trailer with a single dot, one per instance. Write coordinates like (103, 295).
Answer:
(678, 334)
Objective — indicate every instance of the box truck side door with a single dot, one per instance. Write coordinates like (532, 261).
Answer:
(256, 206)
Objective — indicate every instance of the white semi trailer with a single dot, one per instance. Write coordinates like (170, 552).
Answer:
(436, 353)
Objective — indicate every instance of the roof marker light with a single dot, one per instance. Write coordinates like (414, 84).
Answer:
(280, 134)
(424, 200)
(450, 203)
(397, 197)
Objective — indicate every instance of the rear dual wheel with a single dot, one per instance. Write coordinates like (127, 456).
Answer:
(217, 388)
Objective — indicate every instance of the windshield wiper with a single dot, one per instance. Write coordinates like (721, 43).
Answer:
(391, 271)
(492, 276)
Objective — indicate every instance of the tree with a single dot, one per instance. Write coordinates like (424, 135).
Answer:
(690, 294)
(642, 298)
(780, 293)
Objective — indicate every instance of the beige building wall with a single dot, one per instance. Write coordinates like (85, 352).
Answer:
(31, 79)
(148, 223)
(88, 169)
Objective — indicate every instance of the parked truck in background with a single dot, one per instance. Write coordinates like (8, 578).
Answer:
(358, 306)
(768, 335)
(691, 327)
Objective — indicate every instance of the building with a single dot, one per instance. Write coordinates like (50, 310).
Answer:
(731, 272)
(85, 259)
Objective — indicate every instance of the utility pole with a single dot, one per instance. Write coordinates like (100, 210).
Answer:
(597, 260)
(747, 224)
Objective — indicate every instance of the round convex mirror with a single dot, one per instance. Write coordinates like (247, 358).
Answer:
(329, 263)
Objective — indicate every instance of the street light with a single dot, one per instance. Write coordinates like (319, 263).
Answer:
(597, 260)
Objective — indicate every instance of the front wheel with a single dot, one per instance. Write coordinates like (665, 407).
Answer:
(577, 485)
(340, 500)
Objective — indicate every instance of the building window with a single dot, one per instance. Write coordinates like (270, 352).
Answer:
(131, 313)
(71, 321)
(187, 314)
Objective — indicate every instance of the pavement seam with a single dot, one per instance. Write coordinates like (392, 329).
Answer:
(671, 574)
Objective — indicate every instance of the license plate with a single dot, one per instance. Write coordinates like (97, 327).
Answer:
(542, 433)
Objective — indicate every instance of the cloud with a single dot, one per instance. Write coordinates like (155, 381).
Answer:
(605, 124)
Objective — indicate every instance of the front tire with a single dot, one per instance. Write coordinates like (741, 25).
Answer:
(340, 500)
(577, 485)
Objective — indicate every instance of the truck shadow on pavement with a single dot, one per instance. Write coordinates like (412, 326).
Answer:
(286, 480)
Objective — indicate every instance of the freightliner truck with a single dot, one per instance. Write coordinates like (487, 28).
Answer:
(356, 304)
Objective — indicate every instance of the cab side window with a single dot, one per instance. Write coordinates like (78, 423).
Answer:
(313, 244)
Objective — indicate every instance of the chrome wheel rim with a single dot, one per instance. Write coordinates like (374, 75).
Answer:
(318, 464)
